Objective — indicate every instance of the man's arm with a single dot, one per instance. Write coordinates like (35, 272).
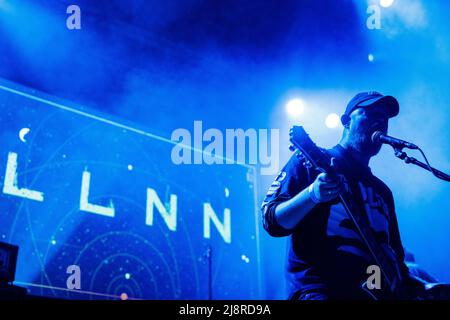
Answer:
(326, 187)
(292, 196)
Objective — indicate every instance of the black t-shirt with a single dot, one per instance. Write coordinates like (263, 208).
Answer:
(325, 249)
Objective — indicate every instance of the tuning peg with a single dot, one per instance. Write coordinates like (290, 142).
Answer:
(292, 148)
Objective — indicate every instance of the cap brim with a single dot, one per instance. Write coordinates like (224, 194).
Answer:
(388, 102)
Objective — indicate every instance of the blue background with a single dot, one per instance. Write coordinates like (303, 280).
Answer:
(234, 64)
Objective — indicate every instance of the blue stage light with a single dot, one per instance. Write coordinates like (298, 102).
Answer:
(332, 120)
(295, 107)
(386, 3)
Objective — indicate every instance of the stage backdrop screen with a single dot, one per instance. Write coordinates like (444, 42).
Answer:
(100, 211)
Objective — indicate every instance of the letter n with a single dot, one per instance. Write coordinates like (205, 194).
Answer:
(170, 218)
(224, 229)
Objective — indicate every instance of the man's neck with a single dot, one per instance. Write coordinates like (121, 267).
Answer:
(358, 156)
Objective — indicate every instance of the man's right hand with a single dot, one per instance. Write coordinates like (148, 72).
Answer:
(326, 187)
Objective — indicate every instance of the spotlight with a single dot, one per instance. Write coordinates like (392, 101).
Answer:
(332, 120)
(295, 107)
(370, 57)
(386, 3)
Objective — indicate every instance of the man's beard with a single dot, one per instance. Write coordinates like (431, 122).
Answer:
(361, 141)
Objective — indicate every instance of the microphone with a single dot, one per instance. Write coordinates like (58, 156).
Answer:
(379, 137)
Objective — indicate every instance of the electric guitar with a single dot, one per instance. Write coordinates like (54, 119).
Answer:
(383, 255)
(386, 259)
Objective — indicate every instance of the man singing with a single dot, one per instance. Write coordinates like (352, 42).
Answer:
(327, 257)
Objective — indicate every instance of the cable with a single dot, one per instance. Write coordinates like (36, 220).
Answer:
(436, 173)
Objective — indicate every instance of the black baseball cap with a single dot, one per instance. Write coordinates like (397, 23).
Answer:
(372, 99)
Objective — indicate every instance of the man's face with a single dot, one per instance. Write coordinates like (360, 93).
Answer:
(363, 123)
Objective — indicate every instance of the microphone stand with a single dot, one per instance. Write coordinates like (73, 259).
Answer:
(208, 256)
(399, 153)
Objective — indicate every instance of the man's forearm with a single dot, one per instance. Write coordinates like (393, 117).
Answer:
(289, 213)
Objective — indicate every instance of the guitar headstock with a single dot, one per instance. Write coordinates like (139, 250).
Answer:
(304, 147)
